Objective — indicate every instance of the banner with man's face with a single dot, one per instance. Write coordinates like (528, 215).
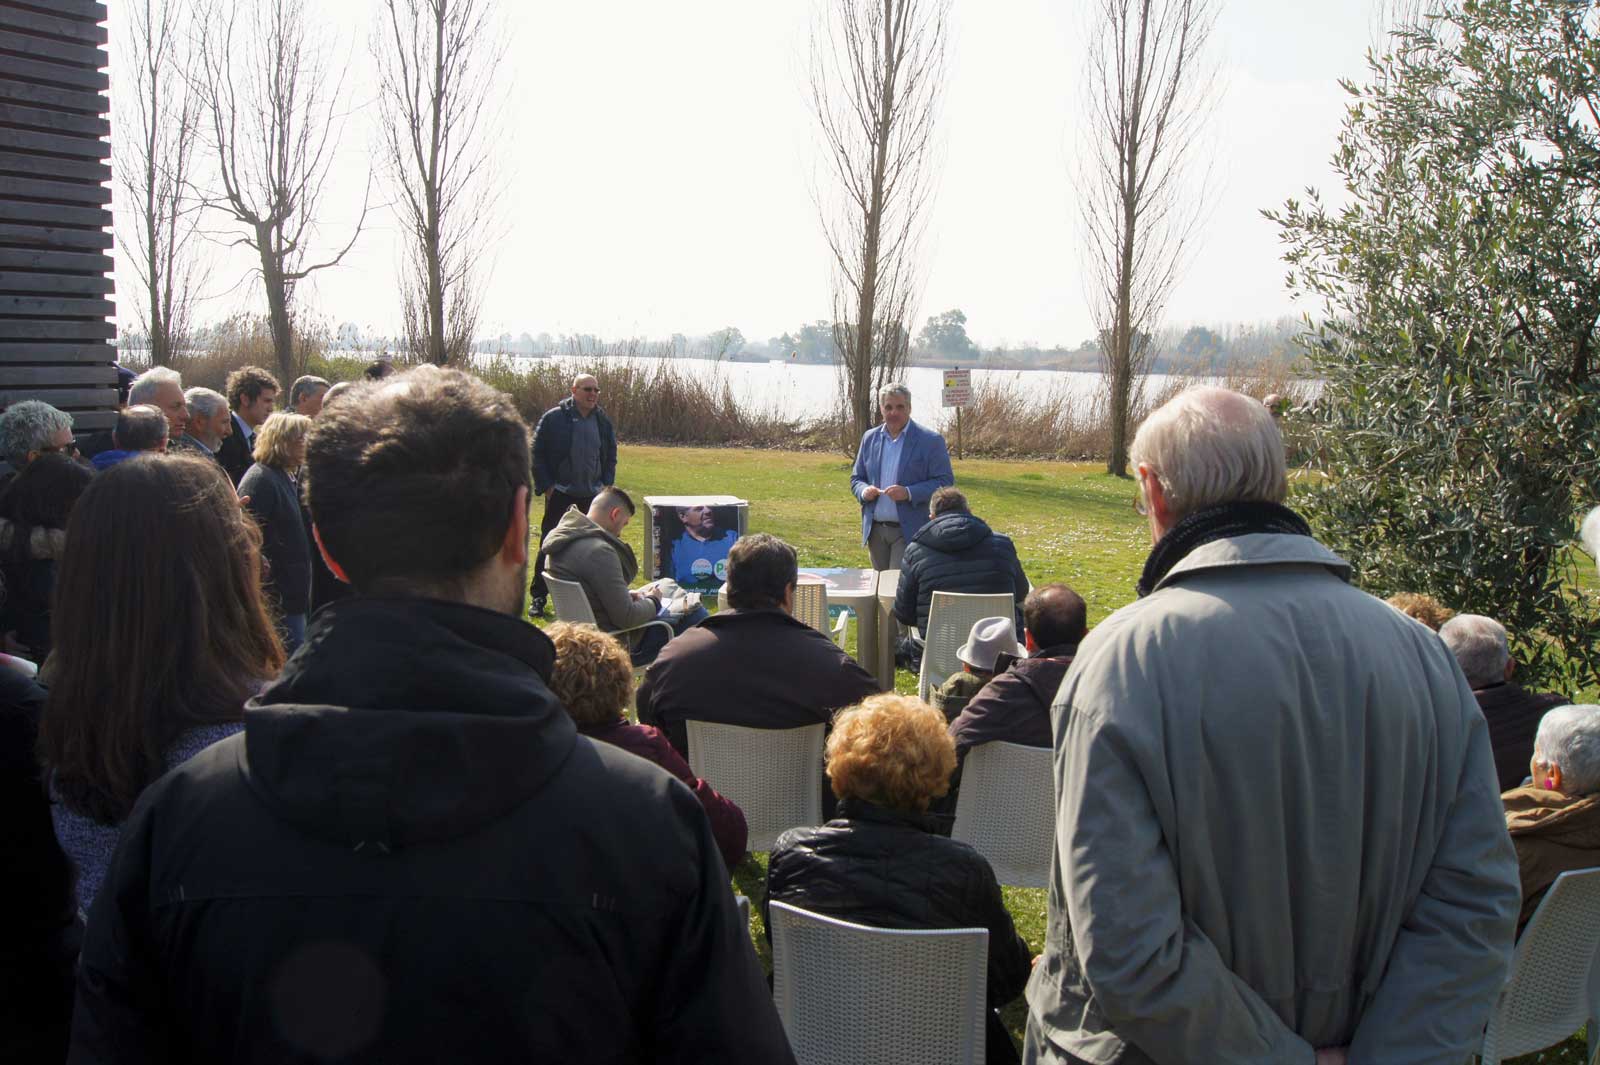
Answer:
(693, 543)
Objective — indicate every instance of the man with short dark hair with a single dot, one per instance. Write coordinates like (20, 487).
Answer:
(410, 854)
(574, 456)
(1014, 707)
(140, 427)
(305, 395)
(252, 393)
(588, 549)
(955, 552)
(755, 664)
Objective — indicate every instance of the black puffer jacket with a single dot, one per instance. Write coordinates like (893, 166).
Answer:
(409, 855)
(956, 553)
(879, 867)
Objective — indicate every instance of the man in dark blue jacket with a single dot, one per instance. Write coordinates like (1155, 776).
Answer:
(574, 456)
(955, 552)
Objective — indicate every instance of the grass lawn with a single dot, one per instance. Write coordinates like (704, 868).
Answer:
(1070, 521)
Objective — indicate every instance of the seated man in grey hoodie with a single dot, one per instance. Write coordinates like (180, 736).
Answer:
(588, 549)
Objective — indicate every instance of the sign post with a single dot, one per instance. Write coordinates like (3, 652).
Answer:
(957, 393)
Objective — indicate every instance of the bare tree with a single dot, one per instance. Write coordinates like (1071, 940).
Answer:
(1151, 88)
(272, 108)
(877, 74)
(436, 61)
(160, 115)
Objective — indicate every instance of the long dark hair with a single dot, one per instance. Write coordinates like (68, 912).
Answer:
(41, 497)
(159, 626)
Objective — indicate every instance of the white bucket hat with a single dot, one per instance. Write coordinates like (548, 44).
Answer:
(988, 639)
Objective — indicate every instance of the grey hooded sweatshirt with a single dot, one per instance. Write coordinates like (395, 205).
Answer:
(579, 550)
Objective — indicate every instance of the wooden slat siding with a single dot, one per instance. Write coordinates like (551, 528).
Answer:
(55, 295)
(54, 307)
(18, 377)
(66, 284)
(39, 24)
(53, 214)
(66, 239)
(55, 354)
(49, 120)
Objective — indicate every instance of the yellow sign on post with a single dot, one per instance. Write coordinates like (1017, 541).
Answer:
(957, 388)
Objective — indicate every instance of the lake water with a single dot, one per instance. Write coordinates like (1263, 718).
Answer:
(802, 390)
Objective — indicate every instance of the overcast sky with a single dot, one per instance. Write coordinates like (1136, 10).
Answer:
(659, 160)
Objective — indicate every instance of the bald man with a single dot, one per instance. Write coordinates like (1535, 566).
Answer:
(574, 457)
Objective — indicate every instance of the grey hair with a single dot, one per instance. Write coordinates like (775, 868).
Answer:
(141, 427)
(1569, 737)
(304, 386)
(205, 402)
(1480, 646)
(28, 426)
(146, 384)
(894, 388)
(1590, 533)
(1210, 445)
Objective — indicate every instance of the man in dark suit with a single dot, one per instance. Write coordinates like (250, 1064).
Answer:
(898, 467)
(252, 393)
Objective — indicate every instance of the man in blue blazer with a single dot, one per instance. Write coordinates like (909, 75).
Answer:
(898, 467)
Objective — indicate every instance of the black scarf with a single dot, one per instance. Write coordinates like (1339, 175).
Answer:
(1216, 523)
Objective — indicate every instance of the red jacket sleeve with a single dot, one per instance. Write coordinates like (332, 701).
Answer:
(727, 820)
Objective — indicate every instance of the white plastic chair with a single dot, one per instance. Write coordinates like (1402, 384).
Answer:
(850, 994)
(811, 607)
(951, 616)
(572, 604)
(1006, 810)
(773, 775)
(1547, 996)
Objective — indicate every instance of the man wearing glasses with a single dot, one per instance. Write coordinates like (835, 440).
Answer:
(32, 428)
(574, 457)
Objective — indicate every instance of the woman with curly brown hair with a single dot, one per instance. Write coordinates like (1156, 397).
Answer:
(881, 862)
(593, 678)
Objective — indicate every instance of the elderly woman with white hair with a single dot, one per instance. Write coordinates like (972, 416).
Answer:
(1555, 820)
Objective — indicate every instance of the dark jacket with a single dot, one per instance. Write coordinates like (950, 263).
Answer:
(876, 866)
(39, 939)
(234, 453)
(1014, 707)
(552, 439)
(1553, 834)
(956, 553)
(27, 595)
(275, 504)
(756, 668)
(411, 856)
(1513, 713)
(727, 820)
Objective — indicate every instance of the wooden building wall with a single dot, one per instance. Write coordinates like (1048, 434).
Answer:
(55, 209)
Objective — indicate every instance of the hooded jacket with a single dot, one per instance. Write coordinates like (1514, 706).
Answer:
(579, 550)
(956, 553)
(1553, 834)
(410, 855)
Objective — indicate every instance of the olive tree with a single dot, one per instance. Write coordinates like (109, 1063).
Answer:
(1458, 427)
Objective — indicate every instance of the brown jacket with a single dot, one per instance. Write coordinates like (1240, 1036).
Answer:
(1553, 834)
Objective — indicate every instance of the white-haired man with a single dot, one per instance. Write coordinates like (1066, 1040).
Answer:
(1513, 712)
(162, 388)
(1278, 836)
(210, 422)
(32, 428)
(574, 457)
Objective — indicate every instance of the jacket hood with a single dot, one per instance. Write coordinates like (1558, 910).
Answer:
(1256, 549)
(953, 532)
(1572, 821)
(574, 526)
(403, 721)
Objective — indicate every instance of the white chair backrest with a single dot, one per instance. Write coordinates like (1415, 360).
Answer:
(849, 994)
(773, 775)
(951, 616)
(571, 602)
(811, 605)
(1007, 811)
(743, 902)
(1547, 997)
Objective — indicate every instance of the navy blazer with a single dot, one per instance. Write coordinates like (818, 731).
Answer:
(924, 468)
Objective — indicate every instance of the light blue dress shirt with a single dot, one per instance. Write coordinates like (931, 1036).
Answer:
(888, 469)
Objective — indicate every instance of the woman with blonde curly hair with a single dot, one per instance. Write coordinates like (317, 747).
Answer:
(882, 861)
(272, 489)
(593, 678)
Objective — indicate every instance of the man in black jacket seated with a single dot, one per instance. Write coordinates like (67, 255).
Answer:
(955, 552)
(409, 854)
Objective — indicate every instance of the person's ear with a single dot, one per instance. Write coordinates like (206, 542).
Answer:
(1155, 498)
(327, 559)
(1554, 774)
(1028, 641)
(514, 549)
(1511, 667)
